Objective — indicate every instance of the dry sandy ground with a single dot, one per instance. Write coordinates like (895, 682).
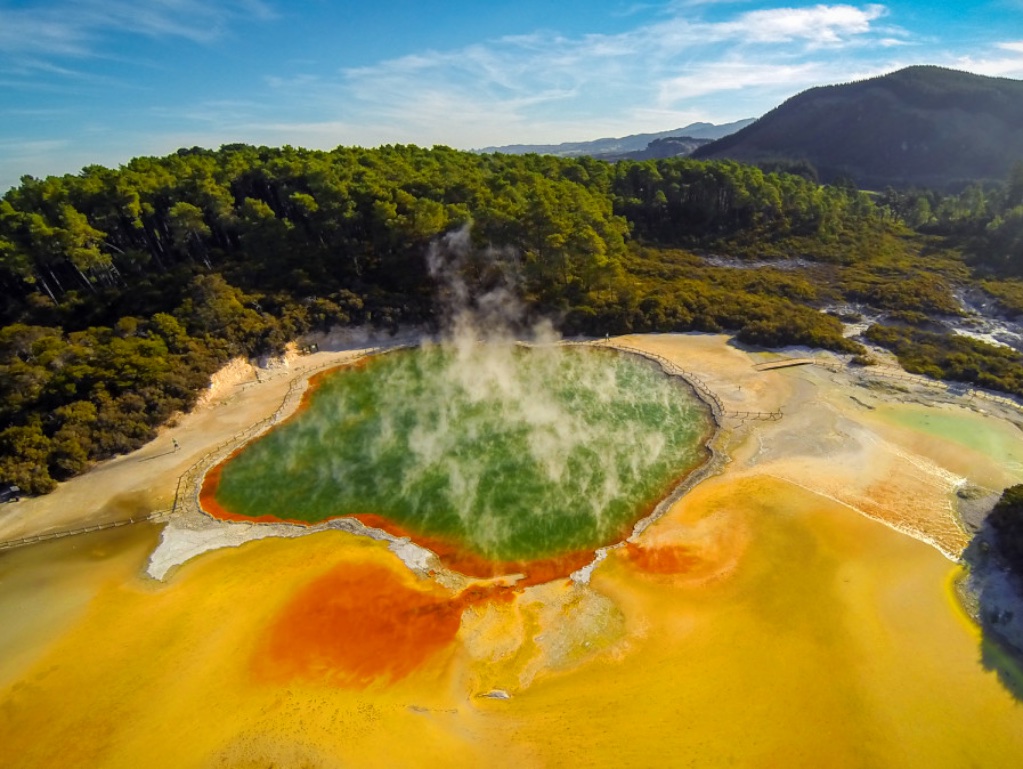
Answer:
(146, 480)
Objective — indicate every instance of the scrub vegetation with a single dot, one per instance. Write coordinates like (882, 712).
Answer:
(1007, 520)
(126, 288)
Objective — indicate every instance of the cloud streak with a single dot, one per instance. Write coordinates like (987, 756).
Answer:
(666, 64)
(78, 29)
(820, 25)
(1004, 60)
(547, 86)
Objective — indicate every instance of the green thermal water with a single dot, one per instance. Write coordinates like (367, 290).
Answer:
(995, 438)
(513, 454)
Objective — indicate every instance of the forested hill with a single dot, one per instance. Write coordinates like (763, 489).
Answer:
(124, 289)
(92, 248)
(668, 147)
(920, 126)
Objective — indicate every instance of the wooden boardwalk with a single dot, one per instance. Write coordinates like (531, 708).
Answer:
(786, 363)
(186, 491)
(13, 543)
(789, 362)
(708, 395)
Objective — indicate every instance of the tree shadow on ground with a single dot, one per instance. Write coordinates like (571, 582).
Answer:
(994, 596)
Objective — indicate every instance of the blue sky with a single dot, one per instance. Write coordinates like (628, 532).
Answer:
(101, 81)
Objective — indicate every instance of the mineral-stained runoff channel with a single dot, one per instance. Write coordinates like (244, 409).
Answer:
(486, 454)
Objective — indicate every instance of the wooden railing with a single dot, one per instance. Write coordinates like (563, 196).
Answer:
(13, 543)
(706, 394)
(762, 416)
(770, 365)
(186, 492)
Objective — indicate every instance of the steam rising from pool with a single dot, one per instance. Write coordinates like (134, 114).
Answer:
(513, 453)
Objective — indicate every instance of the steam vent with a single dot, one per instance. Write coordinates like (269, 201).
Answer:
(491, 456)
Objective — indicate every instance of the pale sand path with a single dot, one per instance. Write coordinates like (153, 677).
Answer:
(145, 481)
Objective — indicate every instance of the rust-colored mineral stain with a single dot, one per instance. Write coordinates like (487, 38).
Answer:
(362, 623)
(209, 503)
(453, 557)
(666, 559)
(671, 559)
(316, 381)
(465, 562)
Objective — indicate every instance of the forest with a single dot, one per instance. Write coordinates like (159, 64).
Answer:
(127, 288)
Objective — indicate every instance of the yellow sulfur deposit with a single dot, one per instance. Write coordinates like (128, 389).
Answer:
(762, 621)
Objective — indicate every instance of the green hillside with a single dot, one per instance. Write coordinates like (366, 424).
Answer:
(126, 288)
(920, 126)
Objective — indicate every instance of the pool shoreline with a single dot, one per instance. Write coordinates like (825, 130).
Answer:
(463, 564)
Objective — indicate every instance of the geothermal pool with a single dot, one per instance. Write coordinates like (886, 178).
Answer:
(509, 454)
(759, 622)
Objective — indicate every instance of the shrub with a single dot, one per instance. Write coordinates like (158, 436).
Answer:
(1007, 520)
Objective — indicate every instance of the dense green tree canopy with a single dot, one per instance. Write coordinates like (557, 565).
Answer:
(310, 223)
(125, 288)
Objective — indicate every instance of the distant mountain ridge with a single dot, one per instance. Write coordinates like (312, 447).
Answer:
(623, 144)
(668, 147)
(920, 126)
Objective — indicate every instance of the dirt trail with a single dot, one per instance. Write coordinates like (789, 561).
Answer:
(144, 481)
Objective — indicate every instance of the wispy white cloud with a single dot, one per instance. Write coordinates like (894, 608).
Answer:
(75, 28)
(41, 30)
(632, 9)
(719, 76)
(819, 25)
(530, 85)
(671, 63)
(43, 74)
(682, 66)
(1004, 60)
